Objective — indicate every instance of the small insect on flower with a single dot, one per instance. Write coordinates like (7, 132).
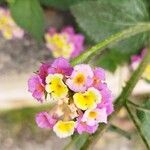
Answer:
(66, 43)
(136, 60)
(8, 27)
(81, 97)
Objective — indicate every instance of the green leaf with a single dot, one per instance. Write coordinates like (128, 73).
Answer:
(29, 15)
(77, 142)
(109, 61)
(145, 126)
(2, 1)
(60, 4)
(101, 19)
(141, 114)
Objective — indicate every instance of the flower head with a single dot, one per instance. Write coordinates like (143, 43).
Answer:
(8, 27)
(81, 97)
(65, 44)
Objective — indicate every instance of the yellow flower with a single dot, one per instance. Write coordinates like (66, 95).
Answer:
(87, 100)
(55, 86)
(64, 129)
(5, 27)
(59, 45)
(7, 33)
(146, 73)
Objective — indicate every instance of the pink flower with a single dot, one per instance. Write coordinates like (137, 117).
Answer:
(82, 127)
(99, 77)
(81, 78)
(44, 120)
(136, 59)
(8, 27)
(36, 87)
(43, 71)
(77, 39)
(94, 116)
(66, 43)
(106, 100)
(81, 99)
(18, 33)
(61, 66)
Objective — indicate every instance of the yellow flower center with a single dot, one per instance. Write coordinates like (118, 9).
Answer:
(56, 86)
(96, 80)
(87, 100)
(79, 79)
(92, 114)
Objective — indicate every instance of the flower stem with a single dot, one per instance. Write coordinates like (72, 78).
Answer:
(140, 27)
(138, 106)
(138, 127)
(120, 101)
(120, 131)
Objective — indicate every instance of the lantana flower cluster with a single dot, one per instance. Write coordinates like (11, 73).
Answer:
(65, 43)
(8, 27)
(81, 98)
(136, 60)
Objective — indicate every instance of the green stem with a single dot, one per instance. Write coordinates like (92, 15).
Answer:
(118, 130)
(140, 27)
(137, 106)
(138, 127)
(80, 140)
(121, 100)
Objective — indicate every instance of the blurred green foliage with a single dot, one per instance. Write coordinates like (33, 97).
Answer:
(101, 19)
(60, 4)
(19, 120)
(29, 15)
(143, 119)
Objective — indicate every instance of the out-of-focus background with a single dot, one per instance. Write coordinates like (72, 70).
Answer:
(18, 130)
